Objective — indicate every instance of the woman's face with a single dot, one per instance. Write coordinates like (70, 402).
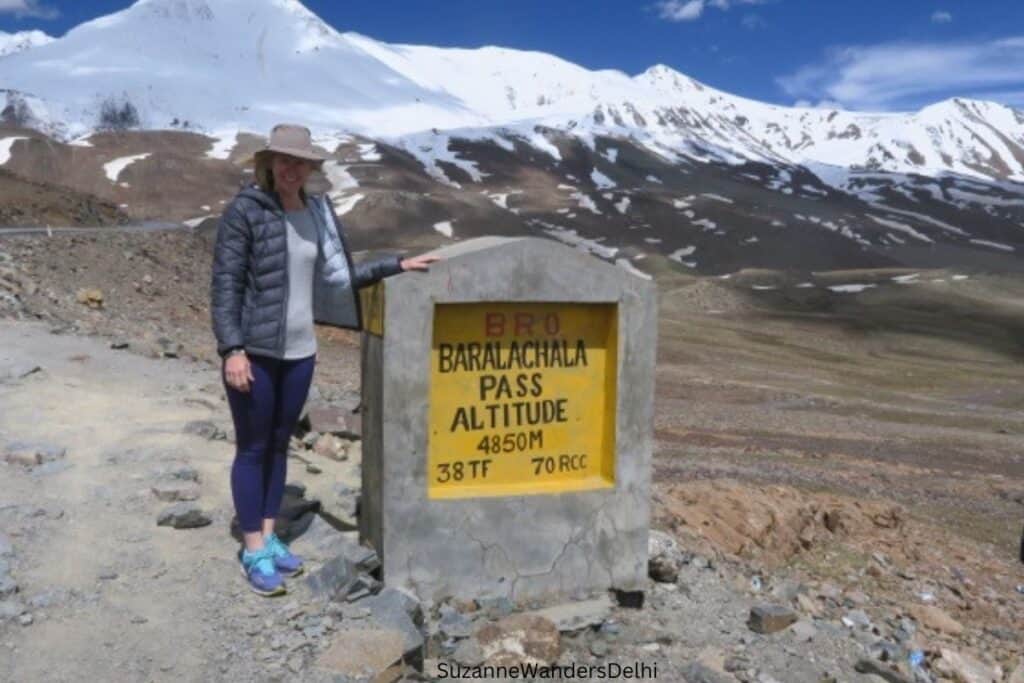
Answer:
(290, 173)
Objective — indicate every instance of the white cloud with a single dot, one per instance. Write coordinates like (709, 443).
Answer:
(674, 10)
(28, 8)
(725, 4)
(689, 10)
(908, 75)
(941, 17)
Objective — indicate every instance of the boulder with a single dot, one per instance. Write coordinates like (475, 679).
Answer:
(395, 610)
(519, 639)
(771, 618)
(364, 587)
(664, 558)
(339, 501)
(935, 619)
(176, 470)
(889, 673)
(321, 542)
(965, 669)
(573, 616)
(334, 580)
(183, 516)
(363, 654)
(339, 420)
(173, 490)
(331, 446)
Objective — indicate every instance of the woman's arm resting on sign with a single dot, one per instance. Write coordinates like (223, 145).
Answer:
(371, 272)
(421, 262)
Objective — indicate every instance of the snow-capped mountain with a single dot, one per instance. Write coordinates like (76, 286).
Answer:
(226, 65)
(21, 41)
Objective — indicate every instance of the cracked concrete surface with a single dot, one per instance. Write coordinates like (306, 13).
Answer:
(521, 547)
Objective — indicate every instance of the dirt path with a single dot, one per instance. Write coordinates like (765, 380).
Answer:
(111, 595)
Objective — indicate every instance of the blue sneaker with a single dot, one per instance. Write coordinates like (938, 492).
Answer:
(286, 563)
(258, 568)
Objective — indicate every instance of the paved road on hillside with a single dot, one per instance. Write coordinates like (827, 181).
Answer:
(133, 227)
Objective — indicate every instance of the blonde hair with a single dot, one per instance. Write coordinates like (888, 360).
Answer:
(263, 171)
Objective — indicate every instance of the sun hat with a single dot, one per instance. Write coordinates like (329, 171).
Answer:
(293, 140)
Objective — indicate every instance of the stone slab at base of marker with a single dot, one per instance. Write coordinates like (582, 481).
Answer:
(507, 423)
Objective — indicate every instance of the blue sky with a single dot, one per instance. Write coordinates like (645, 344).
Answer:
(862, 54)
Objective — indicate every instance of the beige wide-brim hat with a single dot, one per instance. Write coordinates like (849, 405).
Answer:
(293, 140)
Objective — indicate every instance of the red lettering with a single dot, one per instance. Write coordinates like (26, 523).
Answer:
(494, 324)
(524, 324)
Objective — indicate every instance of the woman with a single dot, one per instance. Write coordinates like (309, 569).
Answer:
(280, 263)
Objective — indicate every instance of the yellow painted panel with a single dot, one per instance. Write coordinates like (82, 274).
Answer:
(372, 303)
(522, 399)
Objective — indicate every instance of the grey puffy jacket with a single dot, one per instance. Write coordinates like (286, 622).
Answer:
(249, 288)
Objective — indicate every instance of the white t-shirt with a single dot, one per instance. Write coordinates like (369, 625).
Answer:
(300, 337)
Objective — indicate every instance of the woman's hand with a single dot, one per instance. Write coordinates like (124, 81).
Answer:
(238, 373)
(421, 263)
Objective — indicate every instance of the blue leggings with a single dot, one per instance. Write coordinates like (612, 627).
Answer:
(265, 418)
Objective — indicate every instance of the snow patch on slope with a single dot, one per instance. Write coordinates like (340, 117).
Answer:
(602, 181)
(445, 228)
(5, 148)
(114, 168)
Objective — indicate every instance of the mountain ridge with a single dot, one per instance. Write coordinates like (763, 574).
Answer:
(224, 65)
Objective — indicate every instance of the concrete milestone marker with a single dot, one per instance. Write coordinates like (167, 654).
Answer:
(508, 406)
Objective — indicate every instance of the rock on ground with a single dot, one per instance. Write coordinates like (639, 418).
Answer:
(965, 669)
(519, 639)
(771, 618)
(183, 516)
(176, 490)
(936, 619)
(573, 616)
(664, 558)
(363, 654)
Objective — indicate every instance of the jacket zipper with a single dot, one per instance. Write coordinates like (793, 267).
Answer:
(282, 333)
